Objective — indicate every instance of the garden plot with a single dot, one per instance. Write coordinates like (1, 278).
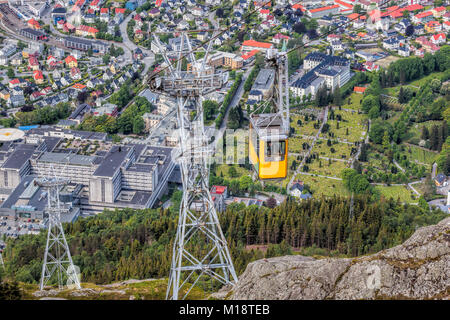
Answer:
(295, 144)
(304, 125)
(337, 150)
(328, 168)
(351, 128)
(323, 186)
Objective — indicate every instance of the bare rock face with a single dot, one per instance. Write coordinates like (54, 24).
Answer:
(417, 269)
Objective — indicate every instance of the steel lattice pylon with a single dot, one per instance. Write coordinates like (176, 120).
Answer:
(198, 218)
(57, 256)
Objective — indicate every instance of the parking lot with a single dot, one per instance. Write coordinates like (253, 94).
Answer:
(15, 226)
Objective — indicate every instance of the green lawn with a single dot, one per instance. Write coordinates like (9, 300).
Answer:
(295, 144)
(224, 169)
(415, 131)
(394, 192)
(342, 150)
(307, 128)
(354, 104)
(322, 167)
(323, 186)
(420, 155)
(424, 80)
(354, 122)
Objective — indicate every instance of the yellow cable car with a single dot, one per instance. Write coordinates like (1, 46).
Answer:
(269, 130)
(268, 146)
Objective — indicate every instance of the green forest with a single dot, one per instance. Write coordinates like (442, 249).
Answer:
(124, 244)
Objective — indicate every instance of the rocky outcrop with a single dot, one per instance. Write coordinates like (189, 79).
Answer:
(417, 269)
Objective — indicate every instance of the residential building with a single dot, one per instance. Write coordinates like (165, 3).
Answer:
(227, 59)
(321, 70)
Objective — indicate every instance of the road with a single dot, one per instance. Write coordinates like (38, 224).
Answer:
(129, 46)
(234, 102)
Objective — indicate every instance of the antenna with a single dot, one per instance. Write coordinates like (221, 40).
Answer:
(208, 258)
(57, 258)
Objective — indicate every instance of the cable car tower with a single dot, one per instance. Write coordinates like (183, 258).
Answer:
(269, 123)
(208, 257)
(57, 258)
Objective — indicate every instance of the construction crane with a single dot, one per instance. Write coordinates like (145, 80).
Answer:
(200, 251)
(269, 123)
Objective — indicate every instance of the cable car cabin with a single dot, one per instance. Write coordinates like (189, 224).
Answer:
(268, 146)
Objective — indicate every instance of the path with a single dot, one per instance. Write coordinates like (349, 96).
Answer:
(297, 171)
(317, 175)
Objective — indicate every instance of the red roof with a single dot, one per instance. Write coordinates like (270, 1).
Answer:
(359, 89)
(250, 54)
(120, 10)
(342, 3)
(87, 29)
(353, 16)
(439, 35)
(298, 6)
(69, 59)
(281, 36)
(324, 8)
(104, 10)
(414, 7)
(433, 23)
(423, 14)
(257, 44)
(439, 9)
(264, 11)
(218, 189)
(33, 61)
(78, 86)
(37, 75)
(14, 81)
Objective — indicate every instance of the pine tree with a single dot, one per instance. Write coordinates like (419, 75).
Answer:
(337, 97)
(385, 140)
(443, 133)
(425, 133)
(401, 95)
(434, 138)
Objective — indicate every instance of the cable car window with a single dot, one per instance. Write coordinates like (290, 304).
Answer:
(275, 150)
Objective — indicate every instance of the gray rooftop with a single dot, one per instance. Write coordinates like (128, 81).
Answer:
(26, 195)
(264, 80)
(73, 159)
(112, 161)
(18, 158)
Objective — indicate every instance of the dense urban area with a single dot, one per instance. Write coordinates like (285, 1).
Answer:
(368, 149)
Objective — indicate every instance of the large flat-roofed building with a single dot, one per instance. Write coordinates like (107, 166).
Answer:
(33, 34)
(111, 176)
(250, 45)
(16, 167)
(323, 11)
(264, 82)
(74, 167)
(321, 70)
(28, 200)
(85, 45)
